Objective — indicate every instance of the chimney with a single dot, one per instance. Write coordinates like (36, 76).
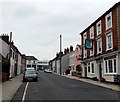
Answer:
(57, 55)
(5, 38)
(60, 53)
(71, 48)
(67, 51)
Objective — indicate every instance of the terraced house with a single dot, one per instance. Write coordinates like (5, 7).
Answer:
(101, 46)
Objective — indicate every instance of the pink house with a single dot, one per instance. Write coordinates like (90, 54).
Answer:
(77, 56)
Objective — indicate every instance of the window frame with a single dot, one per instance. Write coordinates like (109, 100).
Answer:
(92, 68)
(114, 66)
(92, 50)
(99, 40)
(84, 37)
(99, 30)
(85, 53)
(107, 43)
(107, 23)
(92, 32)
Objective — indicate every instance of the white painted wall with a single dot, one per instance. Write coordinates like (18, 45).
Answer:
(19, 64)
(4, 48)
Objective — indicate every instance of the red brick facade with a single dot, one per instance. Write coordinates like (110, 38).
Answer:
(114, 41)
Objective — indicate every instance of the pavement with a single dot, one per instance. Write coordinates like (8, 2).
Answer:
(98, 83)
(10, 87)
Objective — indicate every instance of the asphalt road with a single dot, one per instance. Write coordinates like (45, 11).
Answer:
(55, 87)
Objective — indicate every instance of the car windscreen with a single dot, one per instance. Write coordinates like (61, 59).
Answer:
(30, 72)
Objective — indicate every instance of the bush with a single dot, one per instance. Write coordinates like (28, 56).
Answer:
(95, 79)
(67, 71)
(102, 79)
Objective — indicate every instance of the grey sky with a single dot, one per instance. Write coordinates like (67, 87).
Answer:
(37, 24)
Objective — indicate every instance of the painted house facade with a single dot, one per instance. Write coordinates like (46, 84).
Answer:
(15, 61)
(31, 61)
(11, 58)
(101, 46)
(77, 56)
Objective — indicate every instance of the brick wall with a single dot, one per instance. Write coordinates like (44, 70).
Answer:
(118, 26)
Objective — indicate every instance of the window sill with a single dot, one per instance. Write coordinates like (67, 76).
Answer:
(107, 74)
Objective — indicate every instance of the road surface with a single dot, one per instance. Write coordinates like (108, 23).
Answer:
(55, 87)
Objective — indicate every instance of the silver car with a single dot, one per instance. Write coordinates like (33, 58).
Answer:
(30, 75)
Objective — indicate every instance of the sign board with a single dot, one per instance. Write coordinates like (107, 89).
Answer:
(88, 44)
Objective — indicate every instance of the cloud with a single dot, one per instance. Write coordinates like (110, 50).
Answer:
(36, 26)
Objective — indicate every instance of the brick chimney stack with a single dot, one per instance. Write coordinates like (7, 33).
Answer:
(71, 48)
(67, 51)
(5, 38)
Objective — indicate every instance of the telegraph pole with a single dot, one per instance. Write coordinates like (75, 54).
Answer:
(60, 53)
(9, 53)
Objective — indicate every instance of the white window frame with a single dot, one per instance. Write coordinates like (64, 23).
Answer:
(99, 30)
(99, 40)
(84, 37)
(107, 67)
(92, 50)
(106, 18)
(92, 32)
(107, 46)
(85, 53)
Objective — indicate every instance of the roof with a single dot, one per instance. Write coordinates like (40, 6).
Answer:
(30, 58)
(79, 46)
(100, 17)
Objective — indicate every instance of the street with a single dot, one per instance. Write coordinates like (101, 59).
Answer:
(55, 87)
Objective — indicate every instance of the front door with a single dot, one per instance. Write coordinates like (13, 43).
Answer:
(100, 70)
(85, 71)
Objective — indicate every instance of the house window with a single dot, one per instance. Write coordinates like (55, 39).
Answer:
(110, 66)
(84, 38)
(109, 41)
(114, 65)
(98, 28)
(99, 45)
(108, 19)
(88, 67)
(92, 51)
(92, 67)
(92, 32)
(85, 53)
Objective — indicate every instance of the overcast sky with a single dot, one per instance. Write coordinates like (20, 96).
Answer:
(37, 24)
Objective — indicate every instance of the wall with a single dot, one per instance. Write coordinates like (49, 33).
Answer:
(19, 64)
(71, 60)
(76, 56)
(65, 62)
(4, 48)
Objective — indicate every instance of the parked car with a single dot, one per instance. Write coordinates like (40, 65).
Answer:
(30, 75)
(48, 70)
(31, 68)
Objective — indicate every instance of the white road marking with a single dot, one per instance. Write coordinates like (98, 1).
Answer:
(24, 94)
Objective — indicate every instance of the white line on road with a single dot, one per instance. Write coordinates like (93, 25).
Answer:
(23, 98)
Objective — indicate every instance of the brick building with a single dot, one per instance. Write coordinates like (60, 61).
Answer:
(101, 46)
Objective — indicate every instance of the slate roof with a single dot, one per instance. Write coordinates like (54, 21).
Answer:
(30, 58)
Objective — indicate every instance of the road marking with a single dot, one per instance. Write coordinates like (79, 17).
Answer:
(24, 94)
